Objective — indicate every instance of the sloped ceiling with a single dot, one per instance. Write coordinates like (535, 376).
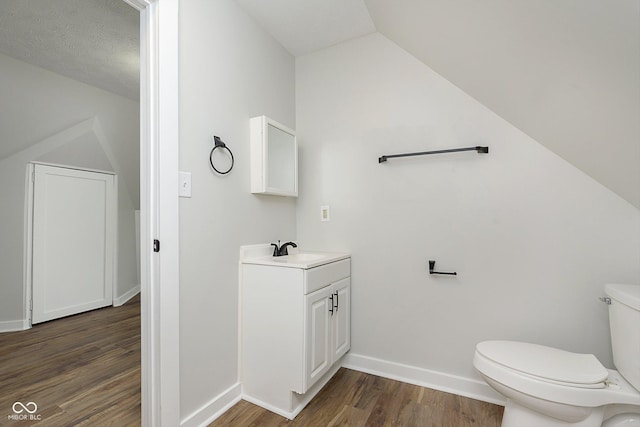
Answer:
(91, 41)
(564, 72)
(567, 73)
(305, 26)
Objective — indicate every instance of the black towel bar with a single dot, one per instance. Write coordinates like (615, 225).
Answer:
(478, 149)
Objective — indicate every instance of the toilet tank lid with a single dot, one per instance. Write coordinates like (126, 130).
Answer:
(545, 362)
(626, 294)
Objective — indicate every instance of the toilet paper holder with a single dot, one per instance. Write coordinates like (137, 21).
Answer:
(432, 265)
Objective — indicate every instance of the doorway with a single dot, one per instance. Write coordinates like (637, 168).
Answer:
(47, 112)
(158, 175)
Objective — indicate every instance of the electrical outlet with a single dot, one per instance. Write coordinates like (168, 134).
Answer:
(325, 213)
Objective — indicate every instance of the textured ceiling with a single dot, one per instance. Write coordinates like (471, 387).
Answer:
(92, 41)
(567, 73)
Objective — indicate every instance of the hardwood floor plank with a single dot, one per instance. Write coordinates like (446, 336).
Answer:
(416, 414)
(473, 414)
(370, 388)
(247, 414)
(349, 416)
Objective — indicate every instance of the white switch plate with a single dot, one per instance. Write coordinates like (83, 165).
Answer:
(325, 213)
(185, 184)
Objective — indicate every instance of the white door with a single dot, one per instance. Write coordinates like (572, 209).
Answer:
(341, 318)
(74, 237)
(319, 308)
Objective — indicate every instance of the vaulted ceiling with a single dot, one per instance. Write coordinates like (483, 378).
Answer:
(566, 72)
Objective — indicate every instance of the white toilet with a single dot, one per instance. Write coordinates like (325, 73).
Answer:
(547, 387)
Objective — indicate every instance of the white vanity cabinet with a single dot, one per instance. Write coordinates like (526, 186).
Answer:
(295, 326)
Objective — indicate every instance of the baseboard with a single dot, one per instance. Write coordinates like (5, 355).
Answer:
(14, 325)
(216, 407)
(122, 299)
(461, 386)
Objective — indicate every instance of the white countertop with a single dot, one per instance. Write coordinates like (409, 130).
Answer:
(302, 260)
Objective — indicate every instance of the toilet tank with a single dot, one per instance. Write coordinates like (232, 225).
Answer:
(624, 320)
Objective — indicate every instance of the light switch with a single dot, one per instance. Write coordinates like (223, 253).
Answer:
(185, 184)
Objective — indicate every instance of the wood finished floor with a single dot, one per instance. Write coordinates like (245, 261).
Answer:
(82, 370)
(354, 398)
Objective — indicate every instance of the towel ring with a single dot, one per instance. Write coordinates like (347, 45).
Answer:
(219, 144)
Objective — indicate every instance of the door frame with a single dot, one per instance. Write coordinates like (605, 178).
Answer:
(160, 296)
(159, 275)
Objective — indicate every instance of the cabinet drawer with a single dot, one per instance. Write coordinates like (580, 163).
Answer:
(321, 276)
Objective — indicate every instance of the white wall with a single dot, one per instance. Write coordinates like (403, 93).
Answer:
(37, 103)
(532, 238)
(56, 119)
(230, 71)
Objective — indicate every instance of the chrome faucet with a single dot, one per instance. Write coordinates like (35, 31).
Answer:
(282, 250)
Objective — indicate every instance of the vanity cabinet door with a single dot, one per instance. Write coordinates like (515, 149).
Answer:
(341, 318)
(319, 308)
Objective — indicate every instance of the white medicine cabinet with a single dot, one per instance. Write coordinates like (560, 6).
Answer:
(274, 158)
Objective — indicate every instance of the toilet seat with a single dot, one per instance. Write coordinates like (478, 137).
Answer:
(546, 363)
(614, 389)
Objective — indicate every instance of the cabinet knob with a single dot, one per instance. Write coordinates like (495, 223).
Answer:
(331, 305)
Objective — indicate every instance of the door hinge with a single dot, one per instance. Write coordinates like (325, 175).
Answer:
(156, 245)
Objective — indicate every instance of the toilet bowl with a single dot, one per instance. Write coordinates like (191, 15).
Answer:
(548, 387)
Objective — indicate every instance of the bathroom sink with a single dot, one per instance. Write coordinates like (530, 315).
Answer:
(302, 260)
